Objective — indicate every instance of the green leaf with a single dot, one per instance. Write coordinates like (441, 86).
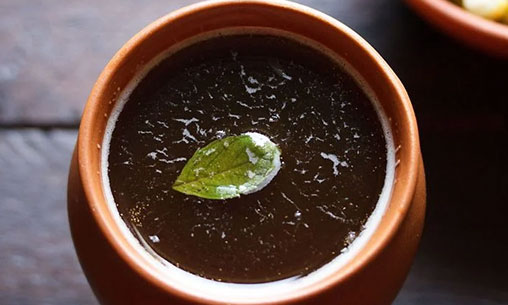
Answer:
(229, 167)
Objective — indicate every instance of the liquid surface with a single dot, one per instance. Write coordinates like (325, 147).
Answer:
(333, 158)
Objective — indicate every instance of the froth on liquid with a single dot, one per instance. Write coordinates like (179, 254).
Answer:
(333, 186)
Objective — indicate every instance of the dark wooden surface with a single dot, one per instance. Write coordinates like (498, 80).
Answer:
(52, 51)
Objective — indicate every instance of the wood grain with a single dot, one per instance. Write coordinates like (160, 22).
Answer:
(37, 260)
(462, 259)
(51, 53)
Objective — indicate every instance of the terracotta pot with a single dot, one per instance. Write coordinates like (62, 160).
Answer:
(477, 32)
(118, 273)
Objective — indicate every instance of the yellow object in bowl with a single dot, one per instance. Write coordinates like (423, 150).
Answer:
(490, 9)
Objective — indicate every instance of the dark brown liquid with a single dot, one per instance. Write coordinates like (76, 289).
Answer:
(300, 99)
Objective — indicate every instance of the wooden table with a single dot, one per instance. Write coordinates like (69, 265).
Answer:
(52, 51)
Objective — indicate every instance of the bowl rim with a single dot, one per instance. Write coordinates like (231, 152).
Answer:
(478, 32)
(94, 197)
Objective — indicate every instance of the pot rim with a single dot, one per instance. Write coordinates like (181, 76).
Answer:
(86, 148)
(478, 32)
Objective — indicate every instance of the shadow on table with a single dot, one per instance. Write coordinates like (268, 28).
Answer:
(460, 97)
